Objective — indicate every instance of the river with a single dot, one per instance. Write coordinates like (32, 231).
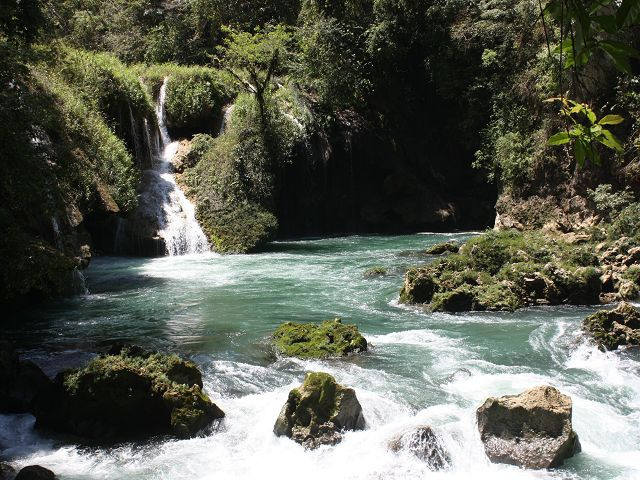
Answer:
(422, 368)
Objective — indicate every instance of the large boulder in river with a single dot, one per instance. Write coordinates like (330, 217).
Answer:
(318, 411)
(129, 394)
(7, 472)
(424, 444)
(530, 430)
(613, 328)
(35, 472)
(20, 381)
(329, 339)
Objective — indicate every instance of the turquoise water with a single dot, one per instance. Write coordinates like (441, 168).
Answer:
(423, 368)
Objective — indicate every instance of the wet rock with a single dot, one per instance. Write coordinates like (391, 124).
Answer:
(7, 472)
(419, 287)
(627, 290)
(442, 248)
(20, 381)
(375, 272)
(614, 328)
(424, 444)
(318, 411)
(461, 299)
(329, 339)
(131, 394)
(530, 430)
(35, 472)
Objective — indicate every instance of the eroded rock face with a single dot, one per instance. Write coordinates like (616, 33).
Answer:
(530, 430)
(424, 444)
(331, 338)
(318, 411)
(129, 394)
(614, 328)
(20, 381)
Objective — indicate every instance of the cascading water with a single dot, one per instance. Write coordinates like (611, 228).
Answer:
(175, 213)
(423, 368)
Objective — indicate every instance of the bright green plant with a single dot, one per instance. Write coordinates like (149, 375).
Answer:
(585, 131)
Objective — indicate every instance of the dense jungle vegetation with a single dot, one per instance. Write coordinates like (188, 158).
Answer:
(348, 116)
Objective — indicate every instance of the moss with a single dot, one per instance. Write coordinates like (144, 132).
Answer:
(375, 271)
(131, 392)
(506, 270)
(497, 297)
(613, 328)
(329, 339)
(460, 299)
(237, 228)
(441, 248)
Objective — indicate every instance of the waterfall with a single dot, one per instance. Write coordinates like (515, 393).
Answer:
(176, 216)
(228, 111)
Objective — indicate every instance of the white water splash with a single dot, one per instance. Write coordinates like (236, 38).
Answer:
(176, 216)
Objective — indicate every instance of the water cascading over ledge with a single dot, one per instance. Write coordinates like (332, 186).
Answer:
(164, 222)
(179, 228)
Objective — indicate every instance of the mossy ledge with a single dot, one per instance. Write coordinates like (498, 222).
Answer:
(611, 329)
(128, 394)
(329, 339)
(507, 270)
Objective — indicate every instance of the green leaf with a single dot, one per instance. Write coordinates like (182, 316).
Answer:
(608, 23)
(611, 120)
(559, 139)
(620, 60)
(609, 140)
(628, 13)
(590, 114)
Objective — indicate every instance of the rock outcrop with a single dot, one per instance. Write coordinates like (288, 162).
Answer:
(35, 472)
(128, 393)
(20, 381)
(614, 328)
(442, 248)
(331, 338)
(530, 430)
(7, 472)
(424, 444)
(318, 411)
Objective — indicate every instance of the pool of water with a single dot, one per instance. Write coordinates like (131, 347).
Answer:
(422, 368)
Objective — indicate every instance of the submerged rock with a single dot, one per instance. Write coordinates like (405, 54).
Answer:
(614, 328)
(20, 381)
(375, 272)
(441, 248)
(424, 444)
(35, 472)
(130, 394)
(530, 430)
(329, 339)
(318, 411)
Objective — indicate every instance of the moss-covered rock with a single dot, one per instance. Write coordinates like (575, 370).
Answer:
(614, 328)
(318, 411)
(442, 248)
(238, 228)
(329, 339)
(503, 271)
(375, 272)
(128, 394)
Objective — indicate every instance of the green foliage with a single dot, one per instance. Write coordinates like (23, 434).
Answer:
(609, 203)
(328, 339)
(585, 131)
(626, 222)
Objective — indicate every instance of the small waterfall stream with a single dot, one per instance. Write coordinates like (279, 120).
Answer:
(176, 215)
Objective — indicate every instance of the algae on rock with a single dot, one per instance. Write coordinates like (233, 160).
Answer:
(329, 339)
(128, 393)
(318, 411)
(613, 328)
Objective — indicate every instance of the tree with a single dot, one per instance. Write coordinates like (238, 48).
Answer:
(253, 59)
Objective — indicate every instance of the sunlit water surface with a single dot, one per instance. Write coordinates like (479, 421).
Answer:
(422, 368)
